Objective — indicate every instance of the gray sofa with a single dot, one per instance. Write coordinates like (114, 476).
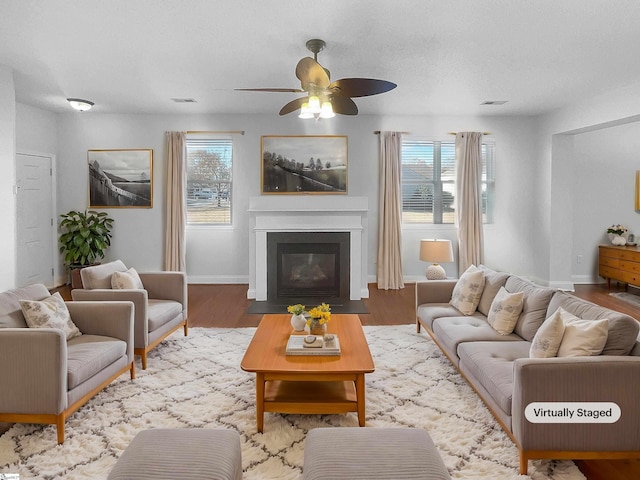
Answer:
(44, 377)
(499, 368)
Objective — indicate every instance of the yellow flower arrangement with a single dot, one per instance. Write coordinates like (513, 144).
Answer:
(319, 315)
(297, 309)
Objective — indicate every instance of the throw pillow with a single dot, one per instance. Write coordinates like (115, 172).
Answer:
(505, 310)
(547, 339)
(49, 313)
(468, 290)
(126, 280)
(582, 337)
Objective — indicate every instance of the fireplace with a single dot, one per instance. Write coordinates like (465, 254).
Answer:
(309, 216)
(307, 266)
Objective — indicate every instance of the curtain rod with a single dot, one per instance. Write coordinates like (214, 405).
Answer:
(238, 132)
(377, 132)
(484, 133)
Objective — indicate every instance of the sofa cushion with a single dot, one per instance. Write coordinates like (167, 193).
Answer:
(491, 365)
(160, 312)
(492, 282)
(582, 337)
(468, 290)
(428, 312)
(623, 329)
(10, 310)
(505, 310)
(453, 331)
(126, 280)
(99, 276)
(90, 354)
(548, 337)
(50, 312)
(534, 306)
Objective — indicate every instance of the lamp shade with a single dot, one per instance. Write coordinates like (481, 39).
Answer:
(434, 250)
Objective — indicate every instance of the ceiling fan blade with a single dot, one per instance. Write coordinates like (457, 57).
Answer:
(343, 105)
(286, 90)
(309, 72)
(293, 105)
(360, 87)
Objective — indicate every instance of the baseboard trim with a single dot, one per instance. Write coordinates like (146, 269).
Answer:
(221, 279)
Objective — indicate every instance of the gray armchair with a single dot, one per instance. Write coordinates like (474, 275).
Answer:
(45, 377)
(160, 307)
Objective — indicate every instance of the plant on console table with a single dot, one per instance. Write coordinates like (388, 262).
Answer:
(617, 234)
(318, 318)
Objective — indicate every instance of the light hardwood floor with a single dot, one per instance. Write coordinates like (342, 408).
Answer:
(226, 306)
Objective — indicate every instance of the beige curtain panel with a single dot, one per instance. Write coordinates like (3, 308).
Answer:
(390, 276)
(469, 199)
(176, 207)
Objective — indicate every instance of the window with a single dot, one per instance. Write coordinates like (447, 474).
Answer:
(209, 165)
(429, 182)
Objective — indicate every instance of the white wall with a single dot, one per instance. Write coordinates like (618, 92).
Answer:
(220, 255)
(7, 180)
(568, 224)
(36, 130)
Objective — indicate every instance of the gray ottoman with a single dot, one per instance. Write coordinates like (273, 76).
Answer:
(170, 454)
(357, 453)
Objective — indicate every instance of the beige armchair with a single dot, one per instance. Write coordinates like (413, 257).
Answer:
(160, 306)
(45, 377)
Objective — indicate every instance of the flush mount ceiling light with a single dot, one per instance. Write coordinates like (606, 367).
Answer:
(80, 104)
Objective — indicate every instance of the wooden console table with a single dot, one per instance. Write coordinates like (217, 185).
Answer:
(619, 263)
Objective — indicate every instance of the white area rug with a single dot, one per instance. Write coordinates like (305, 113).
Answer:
(196, 381)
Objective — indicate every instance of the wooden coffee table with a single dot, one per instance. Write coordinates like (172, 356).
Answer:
(308, 384)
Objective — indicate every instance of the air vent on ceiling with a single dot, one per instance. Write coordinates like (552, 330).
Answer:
(494, 102)
(184, 100)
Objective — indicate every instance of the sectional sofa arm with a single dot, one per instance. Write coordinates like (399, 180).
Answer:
(33, 370)
(583, 381)
(434, 291)
(110, 319)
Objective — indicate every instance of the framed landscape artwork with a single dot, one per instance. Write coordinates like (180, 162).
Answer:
(120, 178)
(305, 164)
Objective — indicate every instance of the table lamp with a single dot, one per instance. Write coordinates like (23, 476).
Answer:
(434, 250)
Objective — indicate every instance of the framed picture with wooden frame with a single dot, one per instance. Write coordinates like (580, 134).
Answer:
(120, 178)
(304, 164)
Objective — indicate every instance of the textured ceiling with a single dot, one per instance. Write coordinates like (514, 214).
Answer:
(447, 57)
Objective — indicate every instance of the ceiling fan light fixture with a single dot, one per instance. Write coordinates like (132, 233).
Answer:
(304, 111)
(327, 110)
(314, 104)
(80, 104)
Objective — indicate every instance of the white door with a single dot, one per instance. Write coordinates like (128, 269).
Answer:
(34, 205)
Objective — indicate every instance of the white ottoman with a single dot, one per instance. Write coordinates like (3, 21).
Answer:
(356, 453)
(170, 454)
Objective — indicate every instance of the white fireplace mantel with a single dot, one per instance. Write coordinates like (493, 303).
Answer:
(308, 213)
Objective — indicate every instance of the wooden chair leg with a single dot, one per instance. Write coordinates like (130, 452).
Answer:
(186, 328)
(60, 428)
(143, 356)
(133, 370)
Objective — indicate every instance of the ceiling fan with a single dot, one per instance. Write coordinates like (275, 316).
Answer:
(325, 98)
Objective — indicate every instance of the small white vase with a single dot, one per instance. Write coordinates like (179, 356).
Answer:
(617, 239)
(298, 322)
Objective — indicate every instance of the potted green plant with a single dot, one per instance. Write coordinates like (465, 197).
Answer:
(85, 237)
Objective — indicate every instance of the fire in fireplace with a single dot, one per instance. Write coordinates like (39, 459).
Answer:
(306, 265)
